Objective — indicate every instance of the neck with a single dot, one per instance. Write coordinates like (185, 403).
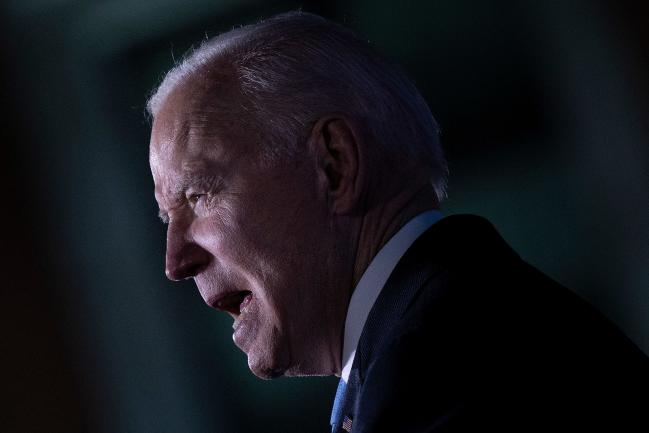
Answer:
(379, 224)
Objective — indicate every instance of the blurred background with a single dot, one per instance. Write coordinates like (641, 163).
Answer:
(544, 108)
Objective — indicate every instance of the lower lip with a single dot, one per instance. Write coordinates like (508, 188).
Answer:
(240, 334)
(241, 331)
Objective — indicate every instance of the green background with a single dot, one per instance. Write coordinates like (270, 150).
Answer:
(544, 114)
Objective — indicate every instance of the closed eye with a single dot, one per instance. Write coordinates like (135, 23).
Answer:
(194, 198)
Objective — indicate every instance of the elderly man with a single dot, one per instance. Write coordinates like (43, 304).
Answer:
(300, 175)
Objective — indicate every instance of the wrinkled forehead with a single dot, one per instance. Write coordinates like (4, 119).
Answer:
(194, 122)
(183, 134)
(182, 151)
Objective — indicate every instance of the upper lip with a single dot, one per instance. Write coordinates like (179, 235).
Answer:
(229, 301)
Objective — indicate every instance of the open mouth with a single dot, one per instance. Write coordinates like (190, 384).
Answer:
(233, 302)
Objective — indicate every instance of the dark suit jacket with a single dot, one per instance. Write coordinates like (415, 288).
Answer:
(466, 336)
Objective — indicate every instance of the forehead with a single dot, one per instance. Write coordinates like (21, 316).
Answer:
(190, 135)
(200, 103)
(184, 137)
(189, 115)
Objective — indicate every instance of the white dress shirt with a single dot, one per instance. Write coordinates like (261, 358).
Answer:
(373, 280)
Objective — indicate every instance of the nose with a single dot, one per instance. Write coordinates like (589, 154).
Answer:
(185, 258)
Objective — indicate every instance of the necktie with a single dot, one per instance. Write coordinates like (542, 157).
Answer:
(337, 411)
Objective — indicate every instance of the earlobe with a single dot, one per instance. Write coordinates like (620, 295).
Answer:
(338, 150)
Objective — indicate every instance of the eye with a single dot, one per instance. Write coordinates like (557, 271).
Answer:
(193, 199)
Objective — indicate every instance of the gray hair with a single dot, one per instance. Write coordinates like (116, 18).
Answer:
(295, 67)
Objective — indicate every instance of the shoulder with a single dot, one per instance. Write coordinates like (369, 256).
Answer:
(484, 322)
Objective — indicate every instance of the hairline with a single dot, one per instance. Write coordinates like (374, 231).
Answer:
(227, 47)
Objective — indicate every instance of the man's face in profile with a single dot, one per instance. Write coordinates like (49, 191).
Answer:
(249, 234)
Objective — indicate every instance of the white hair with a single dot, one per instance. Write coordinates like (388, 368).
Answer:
(295, 67)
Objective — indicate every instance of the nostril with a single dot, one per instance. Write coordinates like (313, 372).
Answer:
(187, 263)
(183, 272)
(176, 270)
(192, 270)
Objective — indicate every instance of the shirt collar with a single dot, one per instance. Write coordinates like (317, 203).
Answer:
(371, 283)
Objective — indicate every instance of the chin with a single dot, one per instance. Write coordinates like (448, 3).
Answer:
(265, 370)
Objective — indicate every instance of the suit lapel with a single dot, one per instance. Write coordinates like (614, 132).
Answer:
(396, 296)
(448, 242)
(411, 273)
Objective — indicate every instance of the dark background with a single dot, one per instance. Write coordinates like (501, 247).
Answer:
(544, 109)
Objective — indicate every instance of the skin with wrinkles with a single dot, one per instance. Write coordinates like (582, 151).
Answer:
(237, 225)
(293, 233)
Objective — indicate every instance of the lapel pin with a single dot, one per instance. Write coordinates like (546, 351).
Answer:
(347, 424)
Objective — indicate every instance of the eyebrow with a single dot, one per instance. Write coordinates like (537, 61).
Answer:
(194, 176)
(163, 216)
(186, 179)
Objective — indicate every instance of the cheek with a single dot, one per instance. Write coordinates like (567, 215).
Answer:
(241, 244)
(215, 228)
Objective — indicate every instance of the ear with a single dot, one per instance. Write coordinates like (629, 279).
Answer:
(336, 143)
